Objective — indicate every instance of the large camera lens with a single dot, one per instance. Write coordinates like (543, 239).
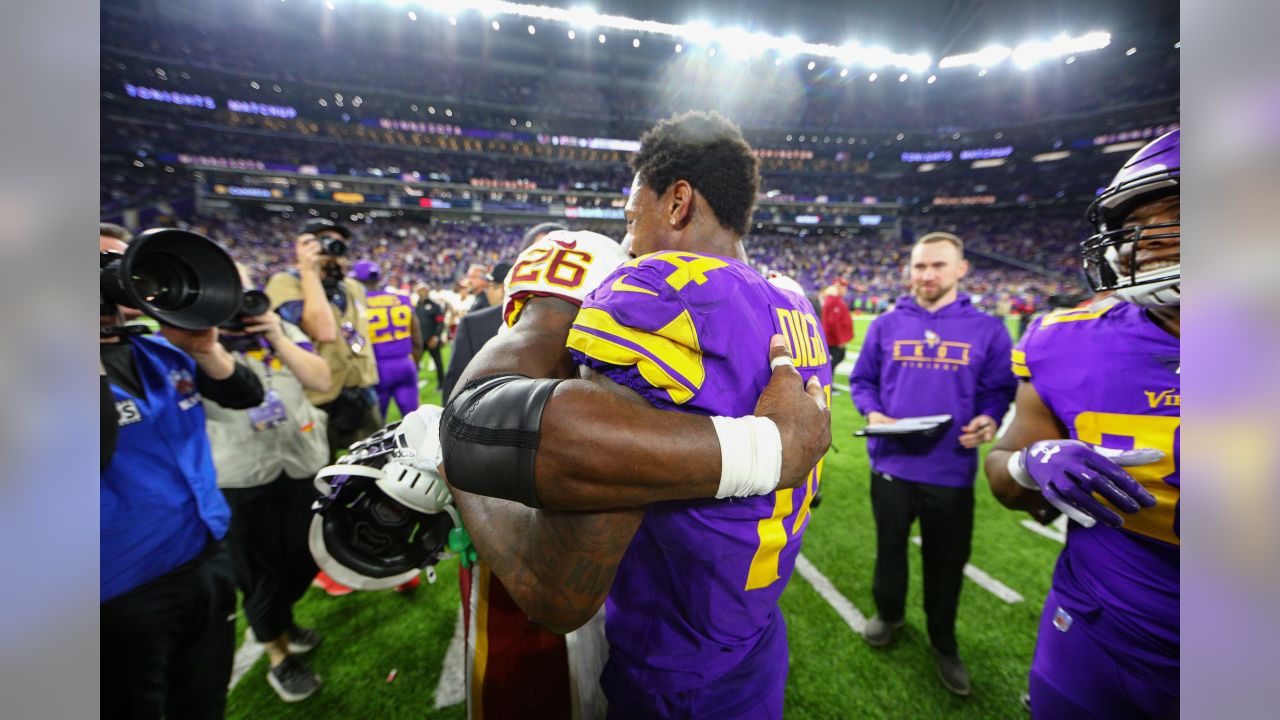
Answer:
(165, 281)
(177, 277)
(333, 246)
(254, 302)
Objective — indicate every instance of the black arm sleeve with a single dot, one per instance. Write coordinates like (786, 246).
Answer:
(489, 436)
(241, 391)
(109, 423)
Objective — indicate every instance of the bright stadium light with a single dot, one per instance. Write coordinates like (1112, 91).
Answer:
(572, 34)
(932, 79)
(698, 32)
(777, 61)
(844, 72)
(987, 56)
(1029, 53)
(495, 25)
(413, 16)
(902, 77)
(601, 38)
(812, 65)
(533, 30)
(679, 48)
(872, 77)
(453, 21)
(635, 43)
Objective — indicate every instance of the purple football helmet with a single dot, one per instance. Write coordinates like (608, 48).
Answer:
(1151, 174)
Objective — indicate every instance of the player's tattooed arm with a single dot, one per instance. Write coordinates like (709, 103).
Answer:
(1032, 422)
(557, 566)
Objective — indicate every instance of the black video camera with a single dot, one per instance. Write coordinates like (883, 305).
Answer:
(180, 278)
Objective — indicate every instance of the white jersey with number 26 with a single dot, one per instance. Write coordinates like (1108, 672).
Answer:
(563, 264)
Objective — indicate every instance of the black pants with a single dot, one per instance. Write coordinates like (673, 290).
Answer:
(269, 551)
(167, 646)
(946, 532)
(435, 355)
(837, 357)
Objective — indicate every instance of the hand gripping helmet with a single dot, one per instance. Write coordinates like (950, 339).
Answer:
(386, 514)
(1151, 174)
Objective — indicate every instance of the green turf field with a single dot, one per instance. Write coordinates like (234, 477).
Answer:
(833, 674)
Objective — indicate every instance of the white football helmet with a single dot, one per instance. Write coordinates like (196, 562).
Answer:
(386, 513)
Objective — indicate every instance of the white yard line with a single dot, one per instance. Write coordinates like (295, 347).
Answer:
(1056, 530)
(984, 580)
(845, 609)
(452, 688)
(246, 656)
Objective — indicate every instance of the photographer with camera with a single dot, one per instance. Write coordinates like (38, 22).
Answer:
(266, 457)
(317, 296)
(168, 598)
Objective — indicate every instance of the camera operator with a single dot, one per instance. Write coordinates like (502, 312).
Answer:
(168, 598)
(266, 457)
(317, 296)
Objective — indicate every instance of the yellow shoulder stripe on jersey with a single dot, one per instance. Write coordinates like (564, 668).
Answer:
(1072, 315)
(669, 358)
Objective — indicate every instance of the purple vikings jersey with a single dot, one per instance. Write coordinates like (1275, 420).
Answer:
(695, 599)
(390, 318)
(1113, 378)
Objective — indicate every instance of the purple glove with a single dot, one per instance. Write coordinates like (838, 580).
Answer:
(1068, 472)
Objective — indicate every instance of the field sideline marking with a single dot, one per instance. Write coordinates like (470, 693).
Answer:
(845, 609)
(985, 581)
(452, 687)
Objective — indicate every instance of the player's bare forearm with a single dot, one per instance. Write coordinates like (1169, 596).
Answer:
(602, 450)
(606, 447)
(1032, 422)
(557, 566)
(1006, 490)
(415, 335)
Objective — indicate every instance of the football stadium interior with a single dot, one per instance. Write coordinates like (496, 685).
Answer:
(440, 132)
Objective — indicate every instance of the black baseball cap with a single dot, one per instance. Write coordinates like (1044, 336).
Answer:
(319, 225)
(499, 272)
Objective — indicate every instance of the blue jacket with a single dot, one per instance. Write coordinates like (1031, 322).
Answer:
(913, 362)
(160, 502)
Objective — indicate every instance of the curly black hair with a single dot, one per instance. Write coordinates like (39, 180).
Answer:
(708, 151)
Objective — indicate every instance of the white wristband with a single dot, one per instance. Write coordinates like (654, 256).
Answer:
(750, 456)
(1020, 474)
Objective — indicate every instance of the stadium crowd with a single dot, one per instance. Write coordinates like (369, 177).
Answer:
(869, 268)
